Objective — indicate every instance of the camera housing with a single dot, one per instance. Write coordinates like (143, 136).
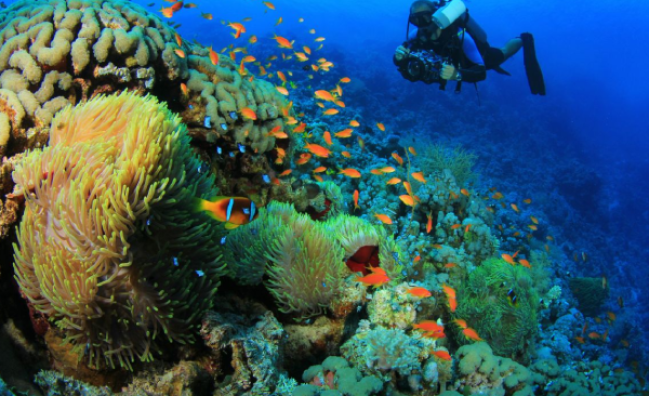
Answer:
(420, 66)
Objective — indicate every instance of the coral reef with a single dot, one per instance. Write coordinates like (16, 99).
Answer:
(56, 53)
(482, 372)
(109, 248)
(334, 373)
(436, 158)
(500, 299)
(245, 342)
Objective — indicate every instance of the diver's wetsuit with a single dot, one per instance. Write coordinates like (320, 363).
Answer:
(463, 52)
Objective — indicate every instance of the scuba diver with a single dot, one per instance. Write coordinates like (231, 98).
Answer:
(440, 50)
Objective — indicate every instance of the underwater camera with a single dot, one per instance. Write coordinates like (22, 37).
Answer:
(420, 66)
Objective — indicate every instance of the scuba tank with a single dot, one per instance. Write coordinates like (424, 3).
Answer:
(449, 13)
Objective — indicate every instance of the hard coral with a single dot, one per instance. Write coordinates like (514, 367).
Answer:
(108, 247)
(481, 372)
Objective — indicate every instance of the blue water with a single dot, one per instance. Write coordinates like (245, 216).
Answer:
(581, 151)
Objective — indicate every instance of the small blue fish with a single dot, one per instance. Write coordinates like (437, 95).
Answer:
(232, 154)
(206, 122)
(223, 241)
(219, 150)
(404, 273)
(200, 273)
(200, 168)
(233, 115)
(191, 107)
(266, 178)
(416, 273)
(324, 284)
(224, 126)
(175, 261)
(148, 222)
(242, 148)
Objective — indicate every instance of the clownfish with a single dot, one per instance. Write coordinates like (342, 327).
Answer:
(233, 211)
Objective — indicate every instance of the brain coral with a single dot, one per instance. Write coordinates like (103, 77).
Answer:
(56, 52)
(108, 248)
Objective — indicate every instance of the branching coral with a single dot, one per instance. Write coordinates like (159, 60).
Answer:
(109, 248)
(486, 299)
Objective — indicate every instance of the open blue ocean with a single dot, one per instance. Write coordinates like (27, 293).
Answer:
(297, 198)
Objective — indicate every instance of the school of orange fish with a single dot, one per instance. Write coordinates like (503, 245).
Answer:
(235, 211)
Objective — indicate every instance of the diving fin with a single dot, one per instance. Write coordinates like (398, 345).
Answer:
(532, 68)
(500, 70)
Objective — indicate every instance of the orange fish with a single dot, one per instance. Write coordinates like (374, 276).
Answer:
(456, 226)
(393, 181)
(397, 158)
(471, 334)
(525, 263)
(452, 304)
(179, 40)
(282, 90)
(443, 355)
(388, 169)
(354, 123)
(498, 195)
(383, 218)
(177, 6)
(214, 57)
(419, 292)
(252, 39)
(307, 50)
(346, 154)
(580, 339)
(356, 200)
(430, 327)
(233, 211)
(327, 138)
(167, 12)
(183, 88)
(351, 172)
(318, 178)
(283, 43)
(449, 291)
(419, 176)
(461, 323)
(412, 151)
(380, 126)
(345, 133)
(532, 227)
(450, 265)
(515, 208)
(330, 112)
(206, 16)
(407, 199)
(190, 5)
(318, 150)
(324, 95)
(465, 192)
(320, 169)
(300, 128)
(269, 4)
(376, 279)
(285, 173)
(281, 76)
(534, 220)
(593, 335)
(376, 172)
(248, 113)
(279, 20)
(508, 258)
(304, 158)
(527, 201)
(429, 224)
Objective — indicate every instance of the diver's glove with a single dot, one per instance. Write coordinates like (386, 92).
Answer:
(402, 53)
(449, 72)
